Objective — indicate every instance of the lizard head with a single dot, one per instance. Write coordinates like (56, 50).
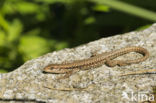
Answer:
(56, 69)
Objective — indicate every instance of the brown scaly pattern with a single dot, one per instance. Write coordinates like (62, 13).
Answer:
(99, 60)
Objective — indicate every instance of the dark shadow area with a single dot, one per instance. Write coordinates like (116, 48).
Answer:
(31, 28)
(21, 100)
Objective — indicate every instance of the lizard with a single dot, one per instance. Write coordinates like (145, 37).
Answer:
(99, 60)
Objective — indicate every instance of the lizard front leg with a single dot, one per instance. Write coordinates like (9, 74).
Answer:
(69, 73)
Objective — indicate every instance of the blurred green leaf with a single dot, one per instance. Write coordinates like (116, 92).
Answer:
(3, 71)
(40, 16)
(14, 30)
(61, 45)
(33, 32)
(54, 1)
(27, 7)
(100, 7)
(90, 20)
(8, 8)
(2, 38)
(3, 23)
(128, 8)
(32, 46)
(143, 27)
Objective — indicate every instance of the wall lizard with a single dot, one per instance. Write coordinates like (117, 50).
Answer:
(98, 60)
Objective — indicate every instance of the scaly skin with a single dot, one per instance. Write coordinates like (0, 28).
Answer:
(98, 60)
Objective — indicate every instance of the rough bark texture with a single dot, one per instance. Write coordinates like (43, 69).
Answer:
(98, 85)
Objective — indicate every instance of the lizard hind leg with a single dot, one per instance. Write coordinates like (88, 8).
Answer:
(113, 63)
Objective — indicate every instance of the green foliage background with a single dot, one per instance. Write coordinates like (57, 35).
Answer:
(31, 28)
